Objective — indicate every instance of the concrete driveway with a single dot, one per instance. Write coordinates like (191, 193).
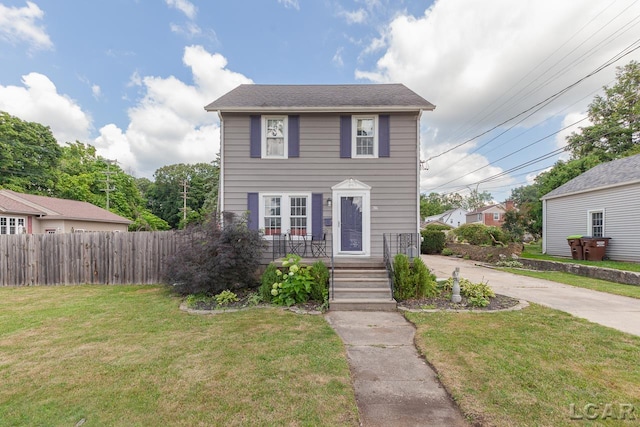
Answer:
(622, 313)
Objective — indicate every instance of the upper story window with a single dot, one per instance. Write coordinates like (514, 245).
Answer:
(274, 137)
(365, 136)
(11, 225)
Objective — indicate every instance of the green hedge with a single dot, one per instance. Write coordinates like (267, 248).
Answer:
(480, 234)
(432, 241)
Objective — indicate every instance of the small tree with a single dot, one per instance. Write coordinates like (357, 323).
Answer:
(213, 257)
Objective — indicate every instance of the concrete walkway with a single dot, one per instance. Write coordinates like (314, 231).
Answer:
(393, 385)
(618, 312)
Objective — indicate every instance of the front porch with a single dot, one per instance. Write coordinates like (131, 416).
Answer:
(357, 283)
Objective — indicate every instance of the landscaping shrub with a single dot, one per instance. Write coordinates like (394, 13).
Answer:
(477, 294)
(447, 252)
(432, 241)
(213, 258)
(437, 227)
(320, 286)
(294, 283)
(480, 234)
(412, 281)
(269, 277)
(425, 282)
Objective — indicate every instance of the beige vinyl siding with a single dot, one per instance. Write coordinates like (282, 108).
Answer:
(567, 215)
(393, 180)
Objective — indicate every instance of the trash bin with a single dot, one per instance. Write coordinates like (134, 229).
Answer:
(594, 248)
(576, 246)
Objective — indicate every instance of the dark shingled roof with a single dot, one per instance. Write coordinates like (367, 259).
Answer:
(367, 97)
(609, 174)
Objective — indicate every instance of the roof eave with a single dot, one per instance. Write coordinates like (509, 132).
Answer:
(335, 109)
(588, 190)
(70, 218)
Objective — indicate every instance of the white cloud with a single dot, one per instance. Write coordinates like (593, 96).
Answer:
(290, 4)
(354, 17)
(96, 91)
(183, 6)
(337, 57)
(484, 62)
(38, 101)
(168, 124)
(190, 29)
(19, 25)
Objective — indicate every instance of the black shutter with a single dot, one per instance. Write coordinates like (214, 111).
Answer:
(345, 137)
(384, 142)
(255, 137)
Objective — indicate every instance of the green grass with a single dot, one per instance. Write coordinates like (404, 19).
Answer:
(528, 367)
(534, 251)
(581, 281)
(127, 356)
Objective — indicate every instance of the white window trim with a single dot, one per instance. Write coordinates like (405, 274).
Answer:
(285, 208)
(496, 216)
(263, 137)
(19, 229)
(354, 134)
(590, 221)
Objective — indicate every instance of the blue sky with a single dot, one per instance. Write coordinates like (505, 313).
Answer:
(131, 76)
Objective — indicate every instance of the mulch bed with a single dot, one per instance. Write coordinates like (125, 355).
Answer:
(443, 302)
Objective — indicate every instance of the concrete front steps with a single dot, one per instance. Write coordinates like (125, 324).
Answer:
(361, 286)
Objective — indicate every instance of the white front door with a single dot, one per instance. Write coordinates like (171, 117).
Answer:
(351, 218)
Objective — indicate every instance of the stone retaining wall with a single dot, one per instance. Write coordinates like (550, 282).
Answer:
(618, 276)
(485, 253)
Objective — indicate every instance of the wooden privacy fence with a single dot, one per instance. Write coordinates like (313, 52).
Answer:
(77, 258)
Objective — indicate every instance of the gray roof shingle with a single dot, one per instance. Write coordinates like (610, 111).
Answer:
(366, 97)
(613, 173)
(51, 207)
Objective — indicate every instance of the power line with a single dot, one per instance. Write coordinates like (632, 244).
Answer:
(538, 106)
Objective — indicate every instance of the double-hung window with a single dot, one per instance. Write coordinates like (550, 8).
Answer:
(11, 225)
(364, 136)
(285, 213)
(274, 137)
(596, 223)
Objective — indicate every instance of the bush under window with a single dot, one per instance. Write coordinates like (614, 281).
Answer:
(214, 257)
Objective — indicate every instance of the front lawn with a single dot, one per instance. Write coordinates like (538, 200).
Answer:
(581, 281)
(535, 366)
(126, 355)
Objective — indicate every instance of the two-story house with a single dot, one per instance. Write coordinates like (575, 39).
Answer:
(333, 162)
(492, 215)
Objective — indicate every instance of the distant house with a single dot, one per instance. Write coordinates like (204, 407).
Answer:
(602, 202)
(492, 215)
(26, 213)
(316, 162)
(453, 218)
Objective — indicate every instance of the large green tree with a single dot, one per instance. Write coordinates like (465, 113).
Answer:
(614, 133)
(615, 118)
(28, 155)
(85, 176)
(166, 195)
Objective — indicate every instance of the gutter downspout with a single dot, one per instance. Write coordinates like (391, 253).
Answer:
(221, 176)
(418, 173)
(544, 226)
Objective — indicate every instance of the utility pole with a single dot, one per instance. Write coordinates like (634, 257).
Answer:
(108, 174)
(185, 186)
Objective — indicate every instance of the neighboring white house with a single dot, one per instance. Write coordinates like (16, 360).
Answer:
(453, 217)
(30, 214)
(602, 202)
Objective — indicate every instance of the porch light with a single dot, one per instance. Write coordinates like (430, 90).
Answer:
(329, 201)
